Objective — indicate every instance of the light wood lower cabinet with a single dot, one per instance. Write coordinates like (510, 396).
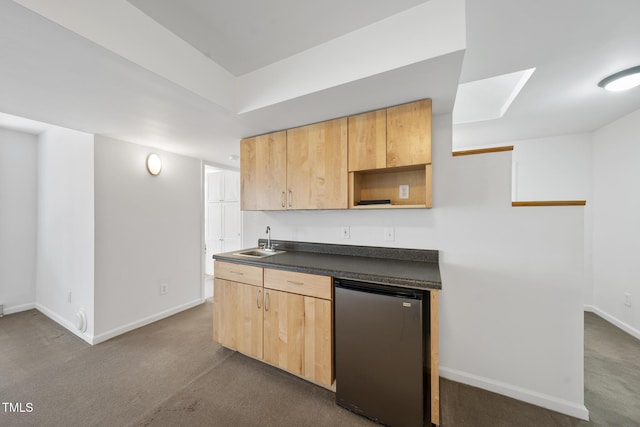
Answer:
(238, 316)
(286, 319)
(318, 340)
(238, 273)
(298, 335)
(283, 323)
(284, 330)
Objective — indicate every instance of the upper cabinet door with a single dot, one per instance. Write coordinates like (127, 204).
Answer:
(263, 172)
(317, 166)
(368, 141)
(409, 134)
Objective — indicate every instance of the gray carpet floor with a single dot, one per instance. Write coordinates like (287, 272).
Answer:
(612, 374)
(170, 373)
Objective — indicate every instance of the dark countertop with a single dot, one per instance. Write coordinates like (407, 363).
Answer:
(406, 268)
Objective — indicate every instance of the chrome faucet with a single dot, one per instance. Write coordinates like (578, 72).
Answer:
(268, 247)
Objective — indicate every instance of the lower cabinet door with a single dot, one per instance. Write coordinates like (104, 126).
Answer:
(298, 335)
(318, 339)
(238, 316)
(284, 330)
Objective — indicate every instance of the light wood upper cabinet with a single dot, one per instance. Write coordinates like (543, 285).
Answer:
(391, 137)
(398, 169)
(317, 166)
(263, 172)
(409, 134)
(329, 165)
(368, 141)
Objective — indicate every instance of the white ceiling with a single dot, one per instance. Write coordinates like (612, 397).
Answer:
(573, 44)
(135, 70)
(245, 35)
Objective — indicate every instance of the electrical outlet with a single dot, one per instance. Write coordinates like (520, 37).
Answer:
(389, 235)
(346, 232)
(403, 191)
(164, 288)
(627, 299)
(69, 297)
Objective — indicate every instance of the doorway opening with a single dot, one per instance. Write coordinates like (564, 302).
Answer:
(222, 217)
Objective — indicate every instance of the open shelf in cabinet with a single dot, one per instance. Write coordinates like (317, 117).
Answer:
(384, 184)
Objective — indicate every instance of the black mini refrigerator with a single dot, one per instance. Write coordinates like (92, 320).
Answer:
(381, 339)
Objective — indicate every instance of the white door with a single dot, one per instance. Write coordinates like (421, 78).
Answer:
(223, 186)
(231, 226)
(223, 219)
(231, 186)
(213, 236)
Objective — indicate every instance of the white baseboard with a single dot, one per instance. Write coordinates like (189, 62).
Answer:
(70, 326)
(145, 321)
(19, 308)
(535, 398)
(613, 320)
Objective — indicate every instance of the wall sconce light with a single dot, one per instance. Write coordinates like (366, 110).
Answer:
(154, 164)
(623, 80)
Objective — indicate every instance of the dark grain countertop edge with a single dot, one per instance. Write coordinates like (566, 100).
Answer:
(403, 282)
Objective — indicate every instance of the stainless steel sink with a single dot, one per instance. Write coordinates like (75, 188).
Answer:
(258, 253)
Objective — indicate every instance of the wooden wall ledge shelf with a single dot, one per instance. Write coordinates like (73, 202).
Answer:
(482, 151)
(550, 203)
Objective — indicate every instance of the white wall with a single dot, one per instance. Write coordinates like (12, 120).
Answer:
(65, 236)
(511, 314)
(147, 232)
(555, 168)
(558, 168)
(18, 210)
(616, 227)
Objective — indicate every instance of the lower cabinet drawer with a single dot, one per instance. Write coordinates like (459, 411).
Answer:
(238, 272)
(311, 285)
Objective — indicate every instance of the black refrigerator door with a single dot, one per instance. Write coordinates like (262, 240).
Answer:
(379, 356)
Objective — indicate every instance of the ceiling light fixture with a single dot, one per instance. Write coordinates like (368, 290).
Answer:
(154, 164)
(622, 80)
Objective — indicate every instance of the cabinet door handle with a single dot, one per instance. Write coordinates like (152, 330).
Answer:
(291, 282)
(266, 301)
(258, 299)
(283, 199)
(239, 273)
(290, 198)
